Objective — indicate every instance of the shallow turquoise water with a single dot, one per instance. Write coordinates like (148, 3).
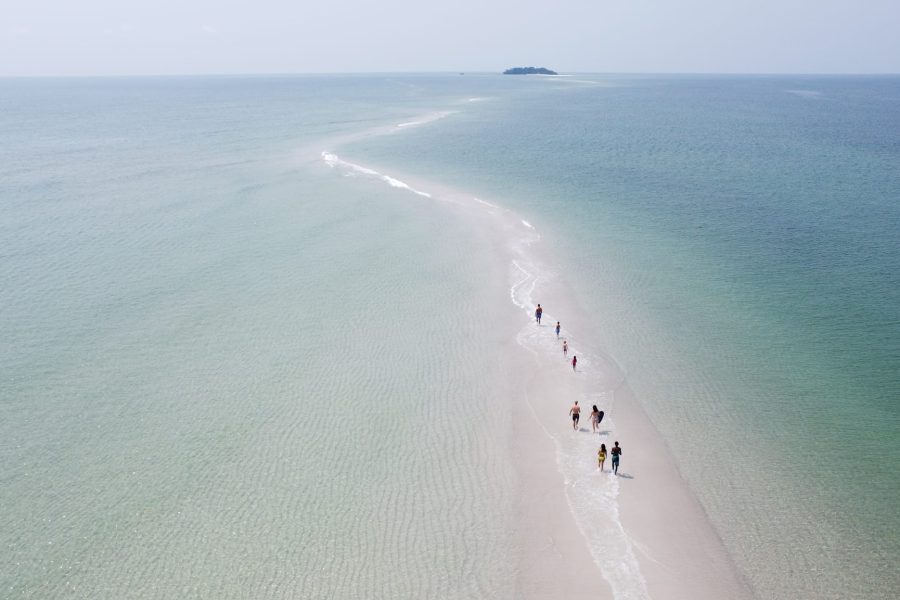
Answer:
(223, 370)
(736, 241)
(219, 355)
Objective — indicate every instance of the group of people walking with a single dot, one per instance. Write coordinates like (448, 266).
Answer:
(596, 417)
(615, 451)
(575, 412)
(538, 313)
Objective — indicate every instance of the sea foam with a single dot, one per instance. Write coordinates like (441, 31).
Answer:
(334, 161)
(425, 119)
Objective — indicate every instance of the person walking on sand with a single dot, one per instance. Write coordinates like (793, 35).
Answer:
(574, 362)
(616, 453)
(575, 413)
(557, 330)
(596, 415)
(565, 348)
(601, 457)
(537, 314)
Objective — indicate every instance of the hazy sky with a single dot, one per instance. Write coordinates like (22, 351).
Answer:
(85, 37)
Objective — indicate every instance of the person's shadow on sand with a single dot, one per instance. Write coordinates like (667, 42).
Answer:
(625, 475)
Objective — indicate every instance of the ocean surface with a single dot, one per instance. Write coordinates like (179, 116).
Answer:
(243, 355)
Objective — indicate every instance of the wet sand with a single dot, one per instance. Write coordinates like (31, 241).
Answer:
(663, 544)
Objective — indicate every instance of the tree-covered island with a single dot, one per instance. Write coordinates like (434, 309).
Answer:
(529, 71)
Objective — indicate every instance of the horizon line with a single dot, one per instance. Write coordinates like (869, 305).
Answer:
(454, 72)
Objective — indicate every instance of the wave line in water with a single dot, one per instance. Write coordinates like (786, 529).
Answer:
(429, 118)
(485, 202)
(333, 160)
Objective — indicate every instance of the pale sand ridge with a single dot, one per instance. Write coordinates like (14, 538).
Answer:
(642, 535)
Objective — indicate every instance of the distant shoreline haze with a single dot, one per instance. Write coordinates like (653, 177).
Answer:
(248, 74)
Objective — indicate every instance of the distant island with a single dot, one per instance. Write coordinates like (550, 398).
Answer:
(529, 71)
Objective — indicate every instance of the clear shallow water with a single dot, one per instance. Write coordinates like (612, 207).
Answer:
(736, 241)
(223, 371)
(220, 354)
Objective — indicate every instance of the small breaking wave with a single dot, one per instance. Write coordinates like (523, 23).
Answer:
(424, 120)
(334, 161)
(485, 202)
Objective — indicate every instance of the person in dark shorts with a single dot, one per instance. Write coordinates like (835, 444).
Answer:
(575, 413)
(537, 314)
(574, 362)
(616, 453)
(557, 330)
(565, 348)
